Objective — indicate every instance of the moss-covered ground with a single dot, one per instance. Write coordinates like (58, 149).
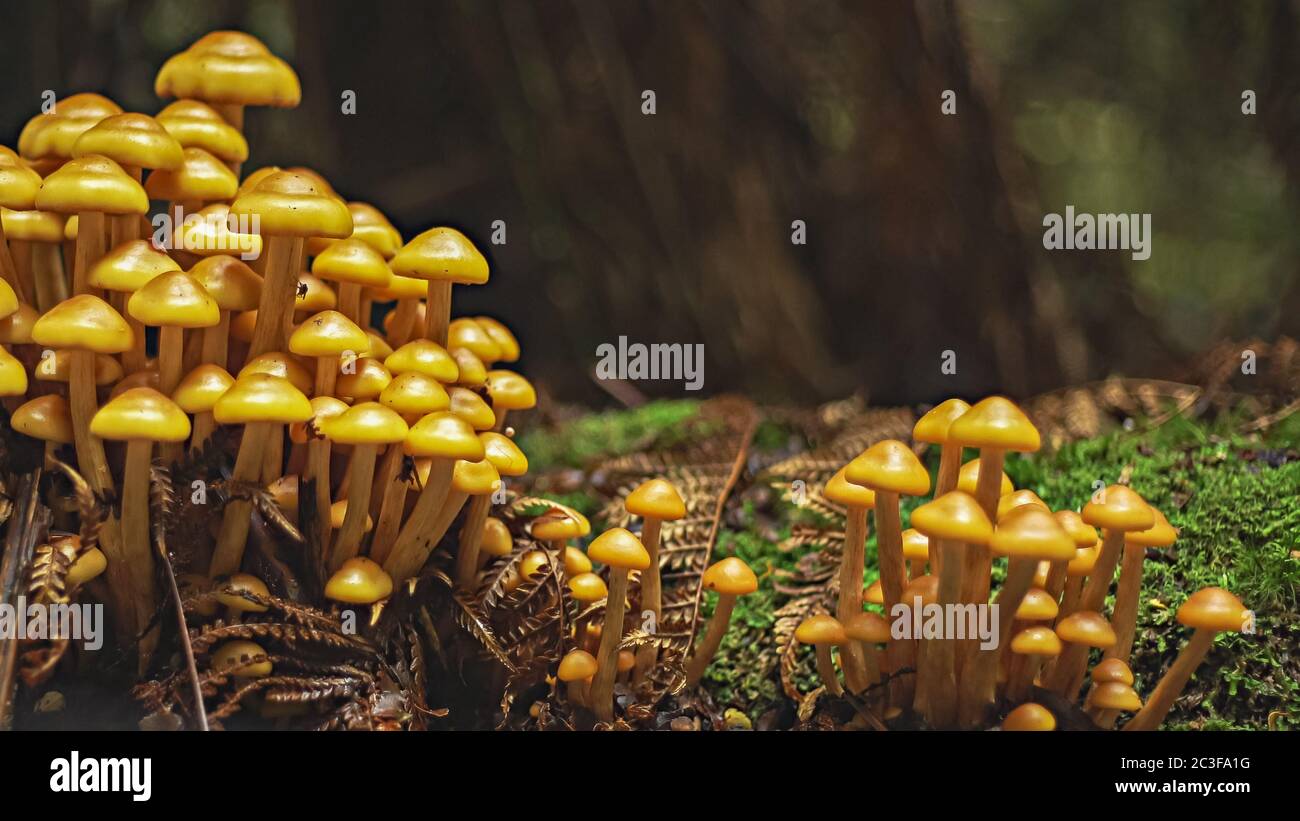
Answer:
(1234, 497)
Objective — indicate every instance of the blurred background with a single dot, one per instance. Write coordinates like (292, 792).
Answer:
(924, 231)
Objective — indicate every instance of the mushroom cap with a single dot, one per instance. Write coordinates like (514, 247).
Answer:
(532, 563)
(1086, 627)
(510, 391)
(88, 565)
(504, 454)
(16, 328)
(496, 538)
(575, 562)
(213, 231)
(443, 254)
(293, 205)
(916, 545)
(873, 593)
(367, 380)
(969, 475)
(466, 333)
(889, 466)
(471, 372)
(730, 577)
(367, 423)
(1112, 669)
(129, 266)
(926, 587)
(13, 376)
(1029, 717)
(195, 124)
(18, 183)
(33, 226)
(588, 587)
(1213, 608)
(147, 378)
(46, 417)
(1037, 605)
(175, 300)
(233, 284)
(322, 408)
(328, 333)
(359, 581)
(261, 397)
(1030, 532)
(339, 513)
(954, 516)
(444, 435)
(236, 657)
(577, 665)
(133, 140)
(231, 68)
(471, 407)
(423, 356)
(8, 300)
(656, 499)
(200, 177)
(820, 629)
(200, 389)
(1083, 561)
(997, 423)
(1019, 498)
(57, 367)
(933, 426)
(501, 335)
(1036, 641)
(1160, 534)
(371, 227)
(351, 260)
(91, 183)
(617, 547)
(1115, 695)
(83, 323)
(379, 348)
(54, 134)
(314, 294)
(276, 363)
(841, 491)
(867, 627)
(229, 593)
(414, 394)
(558, 523)
(475, 478)
(1083, 534)
(141, 414)
(1119, 509)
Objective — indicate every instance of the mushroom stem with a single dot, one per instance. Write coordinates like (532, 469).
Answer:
(471, 536)
(942, 696)
(447, 513)
(651, 591)
(852, 562)
(1070, 597)
(361, 474)
(135, 535)
(275, 309)
(826, 669)
(350, 302)
(976, 576)
(1172, 683)
(232, 113)
(229, 551)
(393, 488)
(889, 541)
(204, 425)
(403, 322)
(9, 270)
(577, 696)
(437, 310)
(47, 271)
(1094, 592)
(90, 247)
(171, 356)
(949, 468)
(712, 640)
(602, 685)
(318, 471)
(1056, 577)
(216, 342)
(977, 687)
(1021, 677)
(1073, 658)
(1124, 616)
(413, 547)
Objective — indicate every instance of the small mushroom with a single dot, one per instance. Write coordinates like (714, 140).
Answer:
(576, 670)
(367, 427)
(509, 461)
(730, 578)
(1129, 589)
(1029, 649)
(823, 632)
(857, 500)
(656, 501)
(933, 428)
(621, 552)
(1082, 631)
(441, 256)
(1029, 717)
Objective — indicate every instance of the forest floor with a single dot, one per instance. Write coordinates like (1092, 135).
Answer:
(1234, 497)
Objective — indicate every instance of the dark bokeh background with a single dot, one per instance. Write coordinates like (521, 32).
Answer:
(924, 231)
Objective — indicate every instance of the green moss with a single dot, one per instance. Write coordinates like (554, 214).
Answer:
(601, 435)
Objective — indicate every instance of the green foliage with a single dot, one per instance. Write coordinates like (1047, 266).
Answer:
(601, 435)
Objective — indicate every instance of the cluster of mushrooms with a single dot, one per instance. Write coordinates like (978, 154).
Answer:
(261, 295)
(1050, 603)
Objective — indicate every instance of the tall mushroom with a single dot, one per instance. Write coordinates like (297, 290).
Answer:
(173, 302)
(1160, 534)
(1081, 630)
(195, 124)
(366, 427)
(620, 551)
(994, 425)
(1208, 611)
(125, 269)
(260, 402)
(730, 578)
(656, 501)
(504, 455)
(1084, 535)
(508, 391)
(236, 288)
(135, 142)
(824, 632)
(857, 500)
(933, 428)
(412, 395)
(891, 469)
(478, 480)
(442, 257)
